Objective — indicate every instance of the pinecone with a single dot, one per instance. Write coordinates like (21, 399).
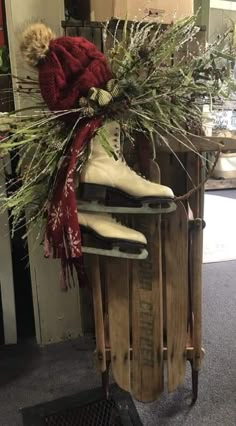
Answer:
(83, 102)
(88, 111)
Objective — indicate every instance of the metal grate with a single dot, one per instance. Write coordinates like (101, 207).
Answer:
(88, 408)
(96, 414)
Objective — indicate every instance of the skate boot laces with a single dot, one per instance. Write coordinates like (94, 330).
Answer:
(120, 157)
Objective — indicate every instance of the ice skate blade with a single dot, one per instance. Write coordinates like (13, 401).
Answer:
(115, 252)
(95, 206)
(101, 198)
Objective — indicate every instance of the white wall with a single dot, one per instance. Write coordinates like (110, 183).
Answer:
(57, 315)
(222, 4)
(220, 21)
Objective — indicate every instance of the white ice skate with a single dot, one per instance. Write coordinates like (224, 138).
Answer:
(107, 237)
(108, 184)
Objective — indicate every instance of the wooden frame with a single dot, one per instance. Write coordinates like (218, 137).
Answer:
(203, 6)
(6, 274)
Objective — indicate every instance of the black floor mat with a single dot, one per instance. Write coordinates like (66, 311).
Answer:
(85, 409)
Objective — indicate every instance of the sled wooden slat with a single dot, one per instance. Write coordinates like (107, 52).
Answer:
(98, 315)
(117, 282)
(147, 318)
(176, 276)
(147, 324)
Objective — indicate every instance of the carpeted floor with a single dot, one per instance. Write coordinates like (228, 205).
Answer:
(217, 392)
(30, 375)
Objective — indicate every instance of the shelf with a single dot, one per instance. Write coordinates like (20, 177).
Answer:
(112, 24)
(217, 184)
(179, 143)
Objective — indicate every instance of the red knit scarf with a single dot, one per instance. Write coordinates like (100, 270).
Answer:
(62, 236)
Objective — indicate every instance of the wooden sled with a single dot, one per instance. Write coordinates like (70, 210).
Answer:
(148, 312)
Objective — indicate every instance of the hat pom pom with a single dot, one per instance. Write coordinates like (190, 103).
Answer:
(34, 44)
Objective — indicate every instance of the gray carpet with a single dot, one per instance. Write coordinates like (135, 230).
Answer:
(30, 375)
(217, 391)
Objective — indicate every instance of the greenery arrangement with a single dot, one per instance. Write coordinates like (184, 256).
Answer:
(159, 87)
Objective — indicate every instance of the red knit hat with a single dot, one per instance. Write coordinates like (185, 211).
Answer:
(71, 67)
(68, 66)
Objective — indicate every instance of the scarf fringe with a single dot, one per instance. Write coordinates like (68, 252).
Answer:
(69, 265)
